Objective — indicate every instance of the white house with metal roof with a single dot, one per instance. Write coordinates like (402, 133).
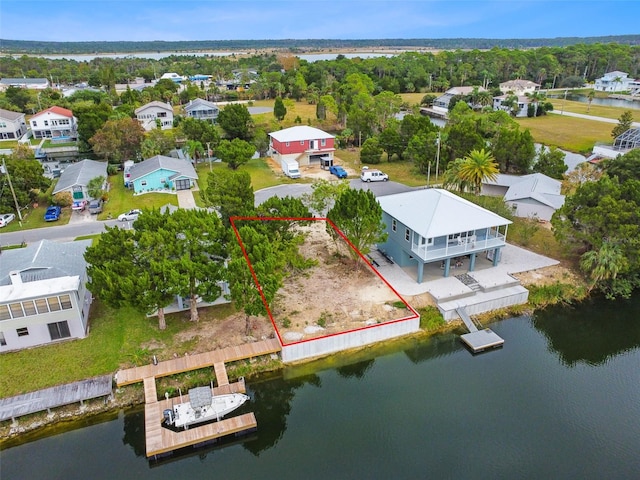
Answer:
(12, 125)
(76, 176)
(434, 225)
(162, 173)
(154, 113)
(43, 294)
(535, 195)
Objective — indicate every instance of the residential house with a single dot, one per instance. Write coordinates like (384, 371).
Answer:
(56, 123)
(43, 294)
(500, 103)
(173, 76)
(154, 113)
(434, 225)
(76, 176)
(28, 83)
(202, 110)
(162, 173)
(530, 196)
(12, 125)
(307, 145)
(615, 81)
(519, 87)
(441, 104)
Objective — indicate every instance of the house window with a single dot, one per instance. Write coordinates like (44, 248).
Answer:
(3, 341)
(4, 312)
(16, 310)
(65, 302)
(287, 144)
(59, 330)
(34, 123)
(162, 180)
(41, 305)
(323, 142)
(54, 304)
(143, 183)
(394, 224)
(46, 123)
(29, 307)
(301, 142)
(22, 332)
(407, 234)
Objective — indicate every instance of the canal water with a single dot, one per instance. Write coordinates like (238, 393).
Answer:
(560, 400)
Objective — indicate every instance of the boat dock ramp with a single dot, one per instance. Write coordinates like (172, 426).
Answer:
(478, 340)
(160, 440)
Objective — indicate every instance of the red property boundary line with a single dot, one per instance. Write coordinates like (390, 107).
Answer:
(351, 245)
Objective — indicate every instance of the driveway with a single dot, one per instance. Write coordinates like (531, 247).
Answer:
(82, 217)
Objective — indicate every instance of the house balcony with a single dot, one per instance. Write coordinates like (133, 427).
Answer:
(459, 247)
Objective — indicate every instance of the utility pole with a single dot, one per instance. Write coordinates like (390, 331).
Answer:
(209, 157)
(5, 170)
(437, 156)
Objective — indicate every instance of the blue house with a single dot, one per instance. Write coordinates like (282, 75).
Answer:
(434, 225)
(161, 173)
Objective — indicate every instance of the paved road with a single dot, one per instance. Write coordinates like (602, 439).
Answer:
(590, 117)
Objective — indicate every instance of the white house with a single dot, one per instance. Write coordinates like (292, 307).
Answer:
(28, 83)
(56, 123)
(201, 109)
(12, 125)
(173, 76)
(441, 104)
(523, 104)
(535, 195)
(434, 225)
(519, 87)
(153, 112)
(76, 176)
(43, 295)
(615, 81)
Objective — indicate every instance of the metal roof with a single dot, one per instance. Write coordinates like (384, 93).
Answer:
(434, 212)
(537, 186)
(155, 103)
(80, 173)
(299, 133)
(160, 162)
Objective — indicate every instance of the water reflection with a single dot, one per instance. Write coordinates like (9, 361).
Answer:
(584, 334)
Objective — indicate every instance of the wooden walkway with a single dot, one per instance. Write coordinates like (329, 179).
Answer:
(199, 360)
(159, 440)
(13, 407)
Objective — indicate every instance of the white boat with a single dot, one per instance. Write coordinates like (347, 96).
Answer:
(203, 406)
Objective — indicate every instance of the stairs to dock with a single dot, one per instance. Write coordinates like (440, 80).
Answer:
(467, 319)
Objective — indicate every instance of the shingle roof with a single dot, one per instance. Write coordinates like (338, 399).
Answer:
(298, 133)
(182, 167)
(9, 115)
(434, 212)
(80, 173)
(44, 260)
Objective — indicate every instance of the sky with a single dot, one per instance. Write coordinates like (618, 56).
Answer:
(182, 20)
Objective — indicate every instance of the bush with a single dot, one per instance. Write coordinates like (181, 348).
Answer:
(64, 199)
(430, 318)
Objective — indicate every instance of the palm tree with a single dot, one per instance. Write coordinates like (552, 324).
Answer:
(592, 94)
(603, 264)
(536, 97)
(451, 177)
(478, 165)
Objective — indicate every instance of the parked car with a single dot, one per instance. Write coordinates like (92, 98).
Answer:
(52, 214)
(95, 206)
(6, 219)
(79, 205)
(373, 176)
(130, 216)
(338, 171)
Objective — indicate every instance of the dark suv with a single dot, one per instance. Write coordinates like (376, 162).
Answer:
(95, 206)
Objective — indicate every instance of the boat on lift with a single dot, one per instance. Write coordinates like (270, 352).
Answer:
(203, 406)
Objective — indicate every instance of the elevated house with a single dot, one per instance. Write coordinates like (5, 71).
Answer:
(43, 294)
(615, 81)
(304, 144)
(162, 173)
(56, 123)
(441, 103)
(76, 176)
(201, 109)
(519, 87)
(28, 83)
(12, 125)
(530, 196)
(434, 225)
(155, 115)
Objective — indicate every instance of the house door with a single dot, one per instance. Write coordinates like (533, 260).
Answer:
(183, 184)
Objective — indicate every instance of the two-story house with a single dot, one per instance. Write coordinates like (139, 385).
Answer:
(615, 81)
(304, 144)
(56, 123)
(519, 87)
(12, 124)
(201, 109)
(434, 225)
(155, 115)
(43, 294)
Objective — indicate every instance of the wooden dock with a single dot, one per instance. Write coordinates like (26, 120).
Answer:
(478, 340)
(160, 440)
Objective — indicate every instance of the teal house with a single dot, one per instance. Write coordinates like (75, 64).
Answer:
(161, 173)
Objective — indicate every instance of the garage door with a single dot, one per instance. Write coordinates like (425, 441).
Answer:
(182, 184)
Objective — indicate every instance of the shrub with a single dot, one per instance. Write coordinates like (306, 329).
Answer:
(64, 199)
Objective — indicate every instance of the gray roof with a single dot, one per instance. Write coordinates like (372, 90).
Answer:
(155, 103)
(537, 186)
(22, 81)
(80, 173)
(9, 115)
(44, 260)
(434, 212)
(200, 104)
(180, 167)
